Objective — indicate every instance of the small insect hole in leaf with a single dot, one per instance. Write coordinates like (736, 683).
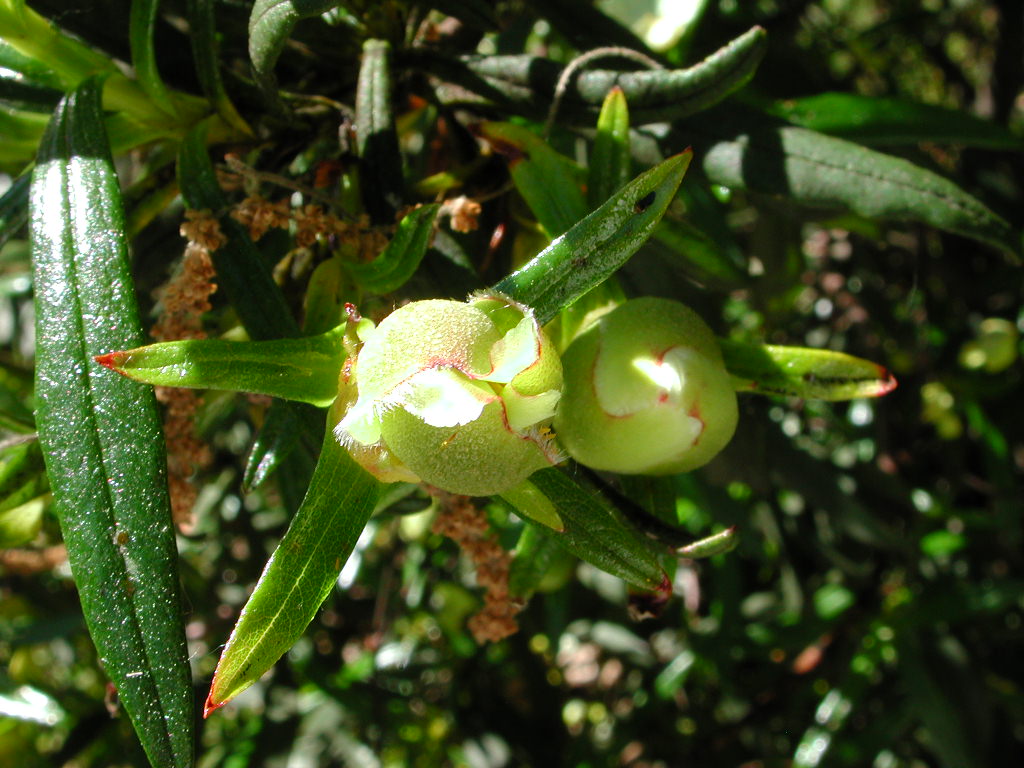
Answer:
(644, 203)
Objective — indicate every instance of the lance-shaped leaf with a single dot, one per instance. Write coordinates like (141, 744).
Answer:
(304, 369)
(270, 24)
(380, 159)
(878, 120)
(802, 372)
(583, 523)
(526, 84)
(205, 53)
(141, 21)
(610, 160)
(402, 255)
(101, 435)
(301, 573)
(747, 150)
(543, 177)
(599, 244)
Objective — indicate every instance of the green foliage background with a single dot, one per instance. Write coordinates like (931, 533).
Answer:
(872, 612)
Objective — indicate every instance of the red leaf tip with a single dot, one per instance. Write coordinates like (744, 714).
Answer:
(211, 706)
(112, 360)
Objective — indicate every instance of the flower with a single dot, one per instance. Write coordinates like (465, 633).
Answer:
(455, 394)
(646, 391)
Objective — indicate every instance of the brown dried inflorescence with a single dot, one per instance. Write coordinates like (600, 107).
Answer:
(25, 562)
(465, 213)
(258, 215)
(182, 301)
(462, 522)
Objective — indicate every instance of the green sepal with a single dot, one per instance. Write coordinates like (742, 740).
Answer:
(820, 374)
(598, 245)
(301, 572)
(303, 369)
(590, 528)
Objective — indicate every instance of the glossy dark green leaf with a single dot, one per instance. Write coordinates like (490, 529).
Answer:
(598, 245)
(526, 84)
(542, 176)
(300, 574)
(820, 374)
(303, 369)
(242, 273)
(588, 527)
(746, 150)
(205, 53)
(535, 551)
(380, 160)
(141, 21)
(894, 121)
(610, 164)
(270, 24)
(402, 255)
(286, 427)
(101, 434)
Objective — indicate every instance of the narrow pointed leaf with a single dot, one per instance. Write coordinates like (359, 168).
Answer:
(303, 369)
(542, 176)
(141, 21)
(747, 150)
(101, 435)
(716, 544)
(380, 159)
(402, 255)
(270, 24)
(894, 121)
(599, 244)
(205, 54)
(286, 426)
(300, 574)
(802, 372)
(610, 160)
(535, 551)
(588, 527)
(526, 84)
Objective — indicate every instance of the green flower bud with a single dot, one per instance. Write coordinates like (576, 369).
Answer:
(646, 391)
(455, 394)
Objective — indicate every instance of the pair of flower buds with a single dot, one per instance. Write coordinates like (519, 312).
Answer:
(473, 397)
